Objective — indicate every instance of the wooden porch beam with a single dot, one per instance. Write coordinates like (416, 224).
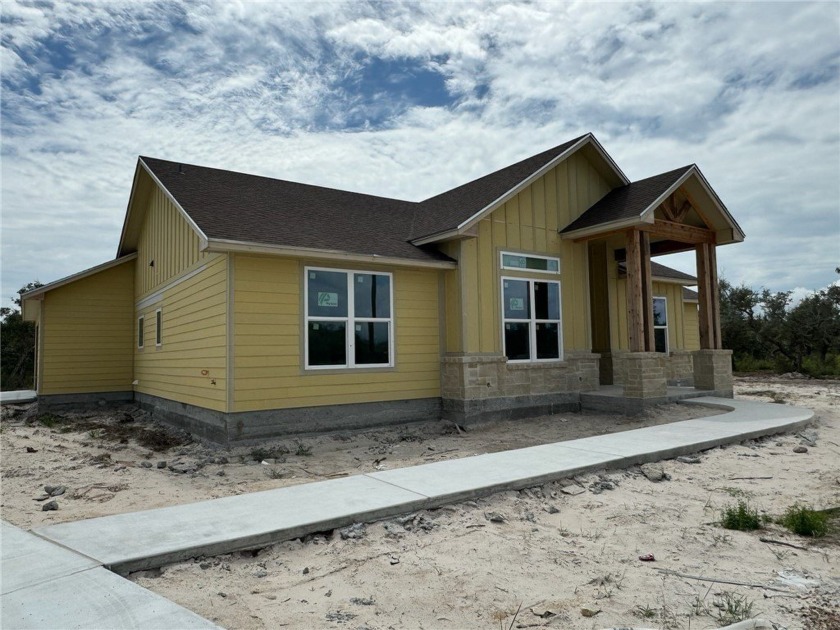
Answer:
(678, 232)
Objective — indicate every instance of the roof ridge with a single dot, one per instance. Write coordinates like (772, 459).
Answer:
(276, 179)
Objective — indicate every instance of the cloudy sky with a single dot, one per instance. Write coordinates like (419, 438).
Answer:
(407, 100)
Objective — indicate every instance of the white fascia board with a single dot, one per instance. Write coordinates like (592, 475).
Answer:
(225, 245)
(201, 235)
(737, 232)
(607, 227)
(668, 192)
(608, 159)
(128, 207)
(468, 223)
(38, 293)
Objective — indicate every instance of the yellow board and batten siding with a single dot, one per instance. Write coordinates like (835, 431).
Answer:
(190, 288)
(676, 314)
(527, 223)
(85, 332)
(167, 245)
(267, 341)
(691, 325)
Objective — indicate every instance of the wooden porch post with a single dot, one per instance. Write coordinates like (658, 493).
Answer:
(709, 299)
(635, 306)
(647, 292)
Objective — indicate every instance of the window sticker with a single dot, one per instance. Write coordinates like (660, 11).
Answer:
(316, 327)
(358, 328)
(517, 304)
(327, 299)
(312, 275)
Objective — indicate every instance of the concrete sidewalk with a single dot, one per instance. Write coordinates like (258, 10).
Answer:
(46, 586)
(58, 579)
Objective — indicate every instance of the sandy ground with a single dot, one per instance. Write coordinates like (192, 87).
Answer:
(566, 555)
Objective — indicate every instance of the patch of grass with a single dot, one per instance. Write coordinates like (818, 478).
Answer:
(49, 420)
(273, 473)
(740, 517)
(732, 608)
(275, 452)
(303, 450)
(645, 612)
(805, 521)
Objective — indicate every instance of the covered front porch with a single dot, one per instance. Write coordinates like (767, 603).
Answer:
(669, 213)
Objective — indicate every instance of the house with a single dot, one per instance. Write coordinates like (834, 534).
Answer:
(242, 307)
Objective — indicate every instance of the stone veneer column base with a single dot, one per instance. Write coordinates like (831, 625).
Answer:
(644, 375)
(713, 371)
(680, 367)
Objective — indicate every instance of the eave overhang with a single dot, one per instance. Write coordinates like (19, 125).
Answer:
(232, 246)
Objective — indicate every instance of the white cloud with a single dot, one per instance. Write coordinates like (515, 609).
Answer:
(748, 91)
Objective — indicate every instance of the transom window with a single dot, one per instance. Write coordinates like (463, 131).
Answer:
(531, 319)
(530, 262)
(349, 320)
(660, 324)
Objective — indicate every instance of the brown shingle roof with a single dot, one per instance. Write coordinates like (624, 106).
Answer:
(235, 206)
(626, 202)
(661, 271)
(448, 210)
(690, 296)
(240, 207)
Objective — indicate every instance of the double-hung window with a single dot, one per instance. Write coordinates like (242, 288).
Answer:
(660, 324)
(531, 319)
(349, 319)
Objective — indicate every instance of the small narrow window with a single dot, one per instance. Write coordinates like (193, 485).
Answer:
(158, 330)
(140, 330)
(529, 262)
(660, 324)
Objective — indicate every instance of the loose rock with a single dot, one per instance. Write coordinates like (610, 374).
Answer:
(800, 449)
(52, 505)
(354, 532)
(146, 464)
(494, 517)
(688, 459)
(654, 472)
(161, 464)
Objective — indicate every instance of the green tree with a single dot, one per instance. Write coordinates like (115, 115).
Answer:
(17, 346)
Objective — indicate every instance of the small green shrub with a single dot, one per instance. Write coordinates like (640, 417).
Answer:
(303, 450)
(805, 521)
(732, 608)
(741, 517)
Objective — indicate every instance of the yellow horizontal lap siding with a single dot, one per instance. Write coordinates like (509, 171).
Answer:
(194, 340)
(86, 334)
(527, 223)
(268, 333)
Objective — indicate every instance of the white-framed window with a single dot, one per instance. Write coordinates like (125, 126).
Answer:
(141, 330)
(660, 324)
(531, 326)
(158, 328)
(530, 262)
(349, 319)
